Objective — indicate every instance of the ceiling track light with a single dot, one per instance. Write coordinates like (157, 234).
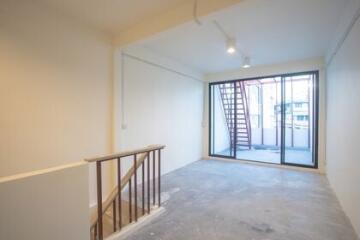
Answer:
(230, 42)
(231, 46)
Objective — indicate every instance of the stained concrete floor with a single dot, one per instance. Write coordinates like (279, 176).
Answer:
(211, 200)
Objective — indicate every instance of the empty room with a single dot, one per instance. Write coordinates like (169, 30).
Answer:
(179, 119)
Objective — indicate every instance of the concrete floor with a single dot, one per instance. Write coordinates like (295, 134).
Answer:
(215, 200)
(272, 155)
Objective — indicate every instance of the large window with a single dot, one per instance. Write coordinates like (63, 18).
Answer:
(269, 119)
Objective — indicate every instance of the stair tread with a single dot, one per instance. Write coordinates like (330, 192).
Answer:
(236, 115)
(108, 218)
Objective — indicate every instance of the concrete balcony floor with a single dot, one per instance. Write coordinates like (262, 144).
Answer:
(227, 200)
(302, 156)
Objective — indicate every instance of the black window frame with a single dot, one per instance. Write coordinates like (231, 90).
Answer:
(315, 122)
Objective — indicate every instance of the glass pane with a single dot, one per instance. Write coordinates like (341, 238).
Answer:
(299, 120)
(262, 98)
(222, 119)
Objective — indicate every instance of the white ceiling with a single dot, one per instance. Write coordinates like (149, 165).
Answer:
(112, 16)
(269, 31)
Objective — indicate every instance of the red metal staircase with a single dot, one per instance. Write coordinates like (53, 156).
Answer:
(236, 110)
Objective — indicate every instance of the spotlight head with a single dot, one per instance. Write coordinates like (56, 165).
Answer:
(246, 62)
(231, 46)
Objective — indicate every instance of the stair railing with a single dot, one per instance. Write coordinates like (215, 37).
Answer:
(236, 96)
(115, 197)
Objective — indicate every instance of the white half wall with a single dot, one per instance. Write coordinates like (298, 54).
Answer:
(343, 118)
(47, 204)
(157, 101)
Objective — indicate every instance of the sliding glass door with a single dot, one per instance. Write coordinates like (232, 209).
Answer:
(222, 119)
(299, 119)
(269, 119)
(262, 98)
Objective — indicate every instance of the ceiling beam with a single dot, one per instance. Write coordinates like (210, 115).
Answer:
(170, 19)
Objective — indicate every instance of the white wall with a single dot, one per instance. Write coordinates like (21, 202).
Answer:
(55, 89)
(289, 67)
(47, 204)
(343, 118)
(158, 105)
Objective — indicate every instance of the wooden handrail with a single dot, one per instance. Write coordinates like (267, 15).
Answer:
(126, 153)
